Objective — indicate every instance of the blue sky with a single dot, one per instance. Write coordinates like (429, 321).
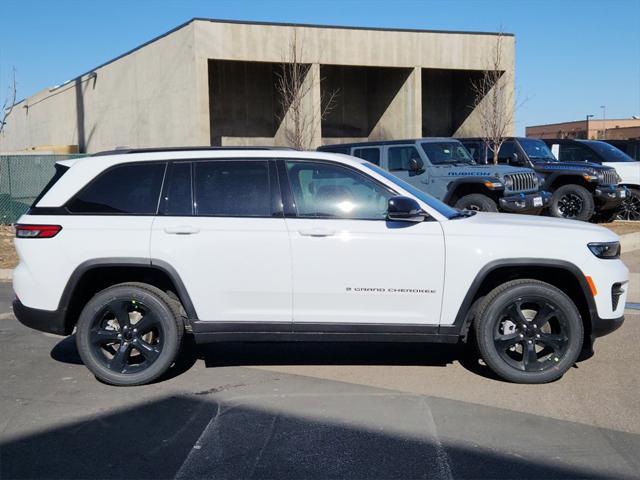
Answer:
(571, 58)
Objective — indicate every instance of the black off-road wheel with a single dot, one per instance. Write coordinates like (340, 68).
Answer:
(477, 202)
(572, 201)
(630, 209)
(528, 331)
(129, 334)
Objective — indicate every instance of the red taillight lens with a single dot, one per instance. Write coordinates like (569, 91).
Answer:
(37, 231)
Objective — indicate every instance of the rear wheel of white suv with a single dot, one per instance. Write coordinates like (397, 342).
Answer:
(129, 334)
(528, 331)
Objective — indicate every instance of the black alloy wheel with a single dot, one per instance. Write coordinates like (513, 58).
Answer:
(630, 208)
(126, 336)
(532, 334)
(528, 331)
(570, 205)
(130, 334)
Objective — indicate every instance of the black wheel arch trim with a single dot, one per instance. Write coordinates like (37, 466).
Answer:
(150, 263)
(466, 180)
(462, 321)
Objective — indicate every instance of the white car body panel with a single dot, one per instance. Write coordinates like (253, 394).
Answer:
(629, 172)
(244, 269)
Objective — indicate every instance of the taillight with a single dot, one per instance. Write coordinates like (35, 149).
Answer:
(37, 231)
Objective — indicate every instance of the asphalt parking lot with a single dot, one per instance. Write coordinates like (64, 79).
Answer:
(315, 411)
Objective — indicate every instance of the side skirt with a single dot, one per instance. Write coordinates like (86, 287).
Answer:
(207, 332)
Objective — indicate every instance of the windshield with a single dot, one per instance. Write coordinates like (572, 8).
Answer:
(537, 150)
(446, 153)
(433, 202)
(608, 152)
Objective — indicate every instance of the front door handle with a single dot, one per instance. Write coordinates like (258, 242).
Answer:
(316, 232)
(181, 230)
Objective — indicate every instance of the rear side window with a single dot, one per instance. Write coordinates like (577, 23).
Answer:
(124, 189)
(369, 154)
(232, 188)
(178, 199)
(60, 170)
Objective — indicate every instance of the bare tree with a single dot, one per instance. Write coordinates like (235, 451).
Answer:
(294, 87)
(9, 102)
(494, 100)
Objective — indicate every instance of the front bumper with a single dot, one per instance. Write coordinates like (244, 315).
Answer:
(604, 326)
(43, 320)
(525, 202)
(609, 197)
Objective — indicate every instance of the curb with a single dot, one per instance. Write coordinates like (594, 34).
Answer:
(630, 242)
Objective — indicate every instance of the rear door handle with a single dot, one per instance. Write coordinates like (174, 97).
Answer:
(316, 232)
(181, 230)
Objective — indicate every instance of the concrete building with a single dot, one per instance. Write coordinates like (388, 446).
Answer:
(211, 82)
(593, 129)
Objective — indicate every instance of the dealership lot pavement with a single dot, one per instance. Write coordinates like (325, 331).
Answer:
(315, 411)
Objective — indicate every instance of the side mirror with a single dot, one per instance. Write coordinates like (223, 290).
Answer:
(416, 166)
(405, 209)
(515, 160)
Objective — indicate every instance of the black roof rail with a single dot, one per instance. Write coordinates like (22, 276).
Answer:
(124, 151)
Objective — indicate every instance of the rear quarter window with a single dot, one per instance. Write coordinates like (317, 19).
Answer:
(123, 189)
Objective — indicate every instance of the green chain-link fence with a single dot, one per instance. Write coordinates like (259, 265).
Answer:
(22, 178)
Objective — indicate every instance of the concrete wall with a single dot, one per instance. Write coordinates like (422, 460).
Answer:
(164, 93)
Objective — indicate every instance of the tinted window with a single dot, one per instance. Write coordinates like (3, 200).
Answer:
(575, 152)
(399, 157)
(322, 190)
(536, 150)
(506, 151)
(232, 188)
(475, 149)
(369, 154)
(130, 189)
(608, 152)
(443, 153)
(178, 198)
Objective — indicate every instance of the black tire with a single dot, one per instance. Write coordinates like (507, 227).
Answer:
(115, 344)
(572, 201)
(477, 202)
(630, 209)
(516, 348)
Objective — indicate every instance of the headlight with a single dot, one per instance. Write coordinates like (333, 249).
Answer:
(508, 182)
(607, 250)
(600, 177)
(493, 185)
(591, 177)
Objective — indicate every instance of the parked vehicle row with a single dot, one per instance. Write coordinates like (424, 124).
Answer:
(528, 177)
(134, 251)
(582, 191)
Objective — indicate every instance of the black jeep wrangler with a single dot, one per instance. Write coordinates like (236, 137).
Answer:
(580, 191)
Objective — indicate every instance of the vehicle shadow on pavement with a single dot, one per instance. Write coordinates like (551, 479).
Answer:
(236, 354)
(186, 437)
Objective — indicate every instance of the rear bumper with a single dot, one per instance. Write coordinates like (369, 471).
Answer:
(609, 197)
(525, 202)
(43, 320)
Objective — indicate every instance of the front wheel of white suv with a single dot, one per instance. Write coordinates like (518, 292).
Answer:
(129, 334)
(528, 331)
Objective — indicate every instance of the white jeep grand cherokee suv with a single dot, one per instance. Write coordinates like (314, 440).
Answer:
(136, 249)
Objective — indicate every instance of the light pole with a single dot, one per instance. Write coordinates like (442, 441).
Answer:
(586, 135)
(604, 121)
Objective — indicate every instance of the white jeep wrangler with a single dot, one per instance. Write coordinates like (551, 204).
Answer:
(136, 249)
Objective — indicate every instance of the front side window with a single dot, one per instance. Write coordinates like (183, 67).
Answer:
(537, 150)
(123, 189)
(369, 154)
(576, 153)
(400, 157)
(446, 153)
(323, 190)
(232, 188)
(506, 151)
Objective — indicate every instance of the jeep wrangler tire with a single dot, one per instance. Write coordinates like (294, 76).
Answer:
(572, 201)
(528, 331)
(129, 334)
(477, 202)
